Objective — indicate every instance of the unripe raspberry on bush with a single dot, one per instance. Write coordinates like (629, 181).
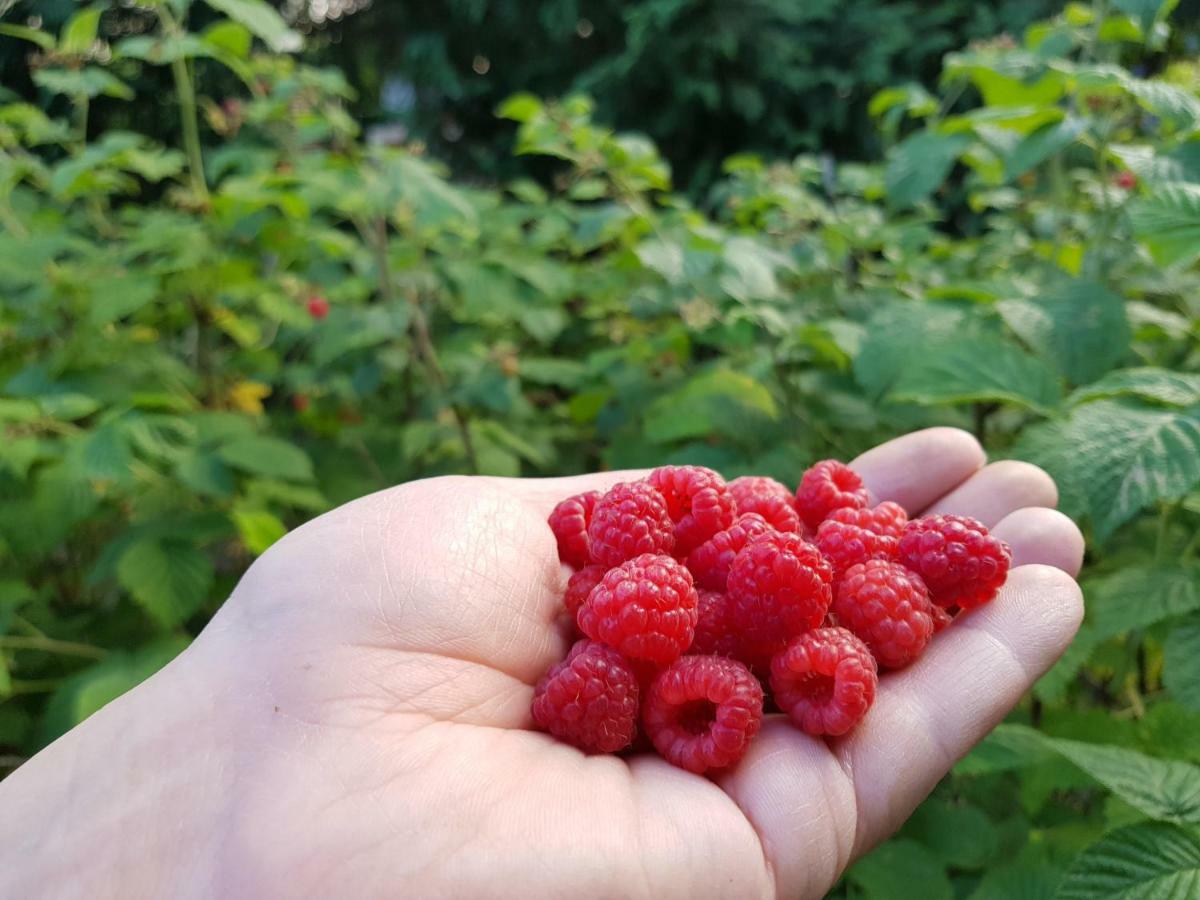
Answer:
(698, 501)
(827, 486)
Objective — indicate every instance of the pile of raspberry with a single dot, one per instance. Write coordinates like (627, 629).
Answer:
(700, 602)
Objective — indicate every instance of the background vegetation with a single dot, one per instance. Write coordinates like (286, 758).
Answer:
(222, 312)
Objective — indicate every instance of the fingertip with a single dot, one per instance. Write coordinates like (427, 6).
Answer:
(1037, 535)
(997, 490)
(917, 468)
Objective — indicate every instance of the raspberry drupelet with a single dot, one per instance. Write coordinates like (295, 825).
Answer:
(701, 712)
(589, 700)
(825, 681)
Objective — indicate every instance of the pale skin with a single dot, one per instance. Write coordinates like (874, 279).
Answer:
(355, 721)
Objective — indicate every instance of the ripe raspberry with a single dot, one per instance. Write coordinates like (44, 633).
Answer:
(827, 486)
(888, 608)
(589, 700)
(942, 618)
(701, 712)
(851, 536)
(710, 562)
(646, 608)
(631, 519)
(713, 635)
(580, 585)
(569, 522)
(960, 563)
(318, 307)
(698, 501)
(779, 587)
(301, 402)
(825, 681)
(769, 499)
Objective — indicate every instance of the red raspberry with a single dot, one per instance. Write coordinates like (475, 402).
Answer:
(701, 712)
(960, 563)
(767, 497)
(699, 503)
(888, 607)
(942, 618)
(827, 486)
(318, 307)
(710, 562)
(580, 585)
(713, 635)
(589, 700)
(631, 519)
(851, 536)
(646, 608)
(1125, 180)
(779, 587)
(569, 522)
(825, 681)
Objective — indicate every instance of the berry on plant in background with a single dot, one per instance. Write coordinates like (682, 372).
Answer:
(768, 498)
(645, 608)
(569, 522)
(851, 536)
(825, 681)
(956, 557)
(888, 608)
(701, 712)
(779, 586)
(698, 501)
(579, 585)
(714, 636)
(318, 307)
(1125, 180)
(631, 519)
(827, 486)
(710, 562)
(301, 402)
(589, 700)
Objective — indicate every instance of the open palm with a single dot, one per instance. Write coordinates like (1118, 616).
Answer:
(374, 673)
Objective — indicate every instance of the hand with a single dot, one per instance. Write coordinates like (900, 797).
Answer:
(355, 721)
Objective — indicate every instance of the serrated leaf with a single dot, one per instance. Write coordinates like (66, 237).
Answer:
(80, 31)
(961, 836)
(718, 402)
(1181, 662)
(263, 21)
(1147, 861)
(896, 337)
(1148, 383)
(1137, 454)
(268, 456)
(257, 528)
(901, 870)
(105, 455)
(1140, 596)
(919, 164)
(1079, 325)
(169, 580)
(1167, 219)
(1041, 144)
(91, 81)
(974, 369)
(116, 296)
(1020, 881)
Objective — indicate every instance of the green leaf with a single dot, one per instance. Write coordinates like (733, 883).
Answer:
(257, 528)
(263, 21)
(80, 32)
(1167, 219)
(919, 164)
(901, 870)
(1140, 596)
(1146, 12)
(117, 296)
(43, 39)
(897, 335)
(168, 579)
(1148, 383)
(87, 82)
(1041, 144)
(521, 108)
(268, 456)
(1020, 881)
(205, 474)
(961, 836)
(1079, 325)
(1181, 662)
(718, 402)
(1147, 861)
(1137, 454)
(106, 455)
(974, 369)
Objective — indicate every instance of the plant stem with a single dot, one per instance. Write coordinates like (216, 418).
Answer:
(185, 90)
(50, 645)
(1162, 538)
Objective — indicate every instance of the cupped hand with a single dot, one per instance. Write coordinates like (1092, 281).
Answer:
(366, 694)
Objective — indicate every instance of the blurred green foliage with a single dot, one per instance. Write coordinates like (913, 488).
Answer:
(172, 399)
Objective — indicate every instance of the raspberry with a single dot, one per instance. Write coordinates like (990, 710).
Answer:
(767, 497)
(589, 700)
(960, 563)
(851, 536)
(887, 606)
(827, 486)
(713, 635)
(779, 587)
(318, 307)
(646, 608)
(631, 519)
(698, 501)
(701, 712)
(569, 522)
(825, 681)
(710, 562)
(580, 585)
(942, 618)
